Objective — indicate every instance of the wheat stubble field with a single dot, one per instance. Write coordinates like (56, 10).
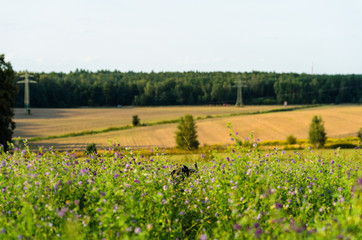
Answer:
(46, 122)
(340, 121)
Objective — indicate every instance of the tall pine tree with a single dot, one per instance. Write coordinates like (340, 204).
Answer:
(7, 93)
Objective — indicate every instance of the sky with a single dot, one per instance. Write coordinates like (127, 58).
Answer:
(183, 35)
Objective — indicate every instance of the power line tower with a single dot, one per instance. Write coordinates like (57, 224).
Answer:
(239, 98)
(26, 82)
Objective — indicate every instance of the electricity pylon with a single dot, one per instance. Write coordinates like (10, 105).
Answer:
(26, 82)
(239, 97)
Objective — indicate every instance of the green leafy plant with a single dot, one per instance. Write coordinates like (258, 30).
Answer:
(317, 133)
(186, 136)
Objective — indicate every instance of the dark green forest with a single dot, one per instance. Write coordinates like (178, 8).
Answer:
(113, 88)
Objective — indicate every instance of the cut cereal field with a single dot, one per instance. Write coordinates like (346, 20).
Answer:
(340, 121)
(47, 122)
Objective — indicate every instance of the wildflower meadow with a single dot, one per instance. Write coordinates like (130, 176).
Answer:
(121, 194)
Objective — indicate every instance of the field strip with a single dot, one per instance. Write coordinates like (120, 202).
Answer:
(340, 121)
(111, 129)
(44, 122)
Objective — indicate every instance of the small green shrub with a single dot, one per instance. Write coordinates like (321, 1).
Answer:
(91, 148)
(359, 135)
(135, 120)
(341, 145)
(291, 140)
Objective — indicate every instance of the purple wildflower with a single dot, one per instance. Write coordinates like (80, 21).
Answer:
(203, 236)
(278, 205)
(137, 230)
(136, 181)
(62, 212)
(237, 227)
(258, 232)
(359, 181)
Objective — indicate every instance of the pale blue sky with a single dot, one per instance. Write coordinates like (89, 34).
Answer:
(183, 35)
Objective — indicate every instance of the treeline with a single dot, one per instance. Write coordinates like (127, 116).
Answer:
(112, 88)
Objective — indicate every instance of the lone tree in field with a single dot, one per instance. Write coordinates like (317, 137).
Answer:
(186, 136)
(135, 121)
(7, 93)
(317, 134)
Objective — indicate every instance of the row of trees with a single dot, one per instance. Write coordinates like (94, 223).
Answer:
(112, 88)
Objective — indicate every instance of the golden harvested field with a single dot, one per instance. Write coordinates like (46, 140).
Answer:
(340, 121)
(47, 122)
